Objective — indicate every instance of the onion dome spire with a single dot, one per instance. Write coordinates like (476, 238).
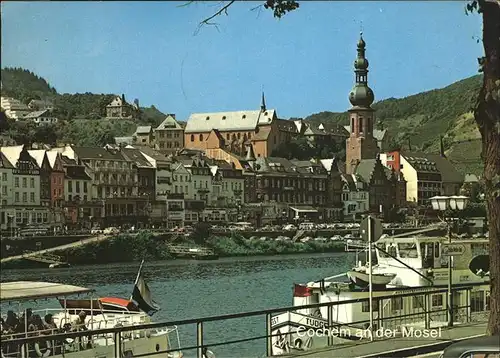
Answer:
(361, 95)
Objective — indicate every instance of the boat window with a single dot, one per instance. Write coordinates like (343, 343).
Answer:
(382, 253)
(365, 306)
(437, 300)
(437, 251)
(396, 303)
(391, 250)
(418, 302)
(408, 250)
(477, 301)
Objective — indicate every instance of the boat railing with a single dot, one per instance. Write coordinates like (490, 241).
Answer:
(407, 307)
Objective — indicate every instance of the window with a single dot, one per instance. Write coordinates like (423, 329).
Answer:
(4, 190)
(17, 197)
(201, 137)
(192, 137)
(407, 250)
(32, 197)
(477, 301)
(418, 302)
(25, 183)
(396, 303)
(437, 300)
(32, 182)
(4, 176)
(85, 187)
(365, 306)
(16, 182)
(25, 197)
(70, 186)
(77, 186)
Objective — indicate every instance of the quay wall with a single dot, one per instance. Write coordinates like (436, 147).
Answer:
(129, 248)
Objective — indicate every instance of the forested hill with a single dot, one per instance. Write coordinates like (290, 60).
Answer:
(24, 85)
(418, 120)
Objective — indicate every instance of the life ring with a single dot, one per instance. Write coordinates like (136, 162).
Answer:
(47, 352)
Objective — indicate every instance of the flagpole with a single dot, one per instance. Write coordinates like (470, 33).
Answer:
(137, 278)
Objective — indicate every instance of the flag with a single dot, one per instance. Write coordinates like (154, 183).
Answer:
(142, 295)
(301, 291)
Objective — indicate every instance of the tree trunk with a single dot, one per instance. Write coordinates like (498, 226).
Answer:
(487, 115)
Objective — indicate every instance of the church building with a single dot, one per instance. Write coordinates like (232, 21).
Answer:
(362, 152)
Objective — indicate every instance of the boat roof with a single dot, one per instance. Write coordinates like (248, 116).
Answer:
(26, 290)
(481, 345)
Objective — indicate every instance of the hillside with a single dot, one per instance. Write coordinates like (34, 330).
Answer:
(81, 113)
(24, 85)
(420, 118)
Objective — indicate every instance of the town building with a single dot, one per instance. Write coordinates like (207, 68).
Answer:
(119, 108)
(40, 117)
(81, 209)
(143, 135)
(29, 214)
(355, 197)
(321, 132)
(232, 131)
(169, 135)
(14, 108)
(115, 181)
(361, 143)
(7, 210)
(40, 105)
(427, 175)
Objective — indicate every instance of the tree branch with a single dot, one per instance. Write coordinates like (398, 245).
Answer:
(222, 10)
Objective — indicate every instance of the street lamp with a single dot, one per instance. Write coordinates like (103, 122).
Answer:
(455, 203)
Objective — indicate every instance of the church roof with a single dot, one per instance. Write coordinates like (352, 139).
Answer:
(229, 121)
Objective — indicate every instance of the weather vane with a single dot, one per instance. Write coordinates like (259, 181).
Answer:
(361, 28)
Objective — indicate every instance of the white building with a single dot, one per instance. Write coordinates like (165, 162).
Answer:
(26, 188)
(7, 212)
(40, 117)
(355, 196)
(14, 108)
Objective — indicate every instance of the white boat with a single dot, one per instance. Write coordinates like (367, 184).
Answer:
(99, 314)
(361, 277)
(409, 289)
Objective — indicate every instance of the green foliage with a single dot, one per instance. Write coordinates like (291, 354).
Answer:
(24, 85)
(123, 248)
(82, 112)
(302, 149)
(419, 117)
(237, 245)
(281, 7)
(201, 232)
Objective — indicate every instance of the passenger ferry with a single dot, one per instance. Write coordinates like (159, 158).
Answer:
(409, 289)
(91, 315)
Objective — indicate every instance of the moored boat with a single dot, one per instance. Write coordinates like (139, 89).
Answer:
(409, 290)
(90, 315)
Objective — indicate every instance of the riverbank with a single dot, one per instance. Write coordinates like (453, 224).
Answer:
(129, 248)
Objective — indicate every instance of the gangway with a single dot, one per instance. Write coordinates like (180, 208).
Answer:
(40, 253)
(45, 258)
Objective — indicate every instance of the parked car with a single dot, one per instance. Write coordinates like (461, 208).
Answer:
(482, 347)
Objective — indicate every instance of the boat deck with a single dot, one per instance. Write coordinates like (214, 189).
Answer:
(399, 346)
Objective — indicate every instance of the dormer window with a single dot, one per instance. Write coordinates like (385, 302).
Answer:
(244, 116)
(208, 117)
(223, 117)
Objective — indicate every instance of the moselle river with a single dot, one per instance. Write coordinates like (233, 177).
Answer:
(194, 289)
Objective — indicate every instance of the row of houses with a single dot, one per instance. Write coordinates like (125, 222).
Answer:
(37, 111)
(118, 185)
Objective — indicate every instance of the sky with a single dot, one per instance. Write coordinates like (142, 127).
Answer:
(303, 62)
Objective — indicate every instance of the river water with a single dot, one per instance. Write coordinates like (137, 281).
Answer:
(194, 289)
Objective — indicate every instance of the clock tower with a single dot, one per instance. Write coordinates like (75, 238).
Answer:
(361, 144)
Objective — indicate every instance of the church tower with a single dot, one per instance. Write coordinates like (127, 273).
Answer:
(361, 144)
